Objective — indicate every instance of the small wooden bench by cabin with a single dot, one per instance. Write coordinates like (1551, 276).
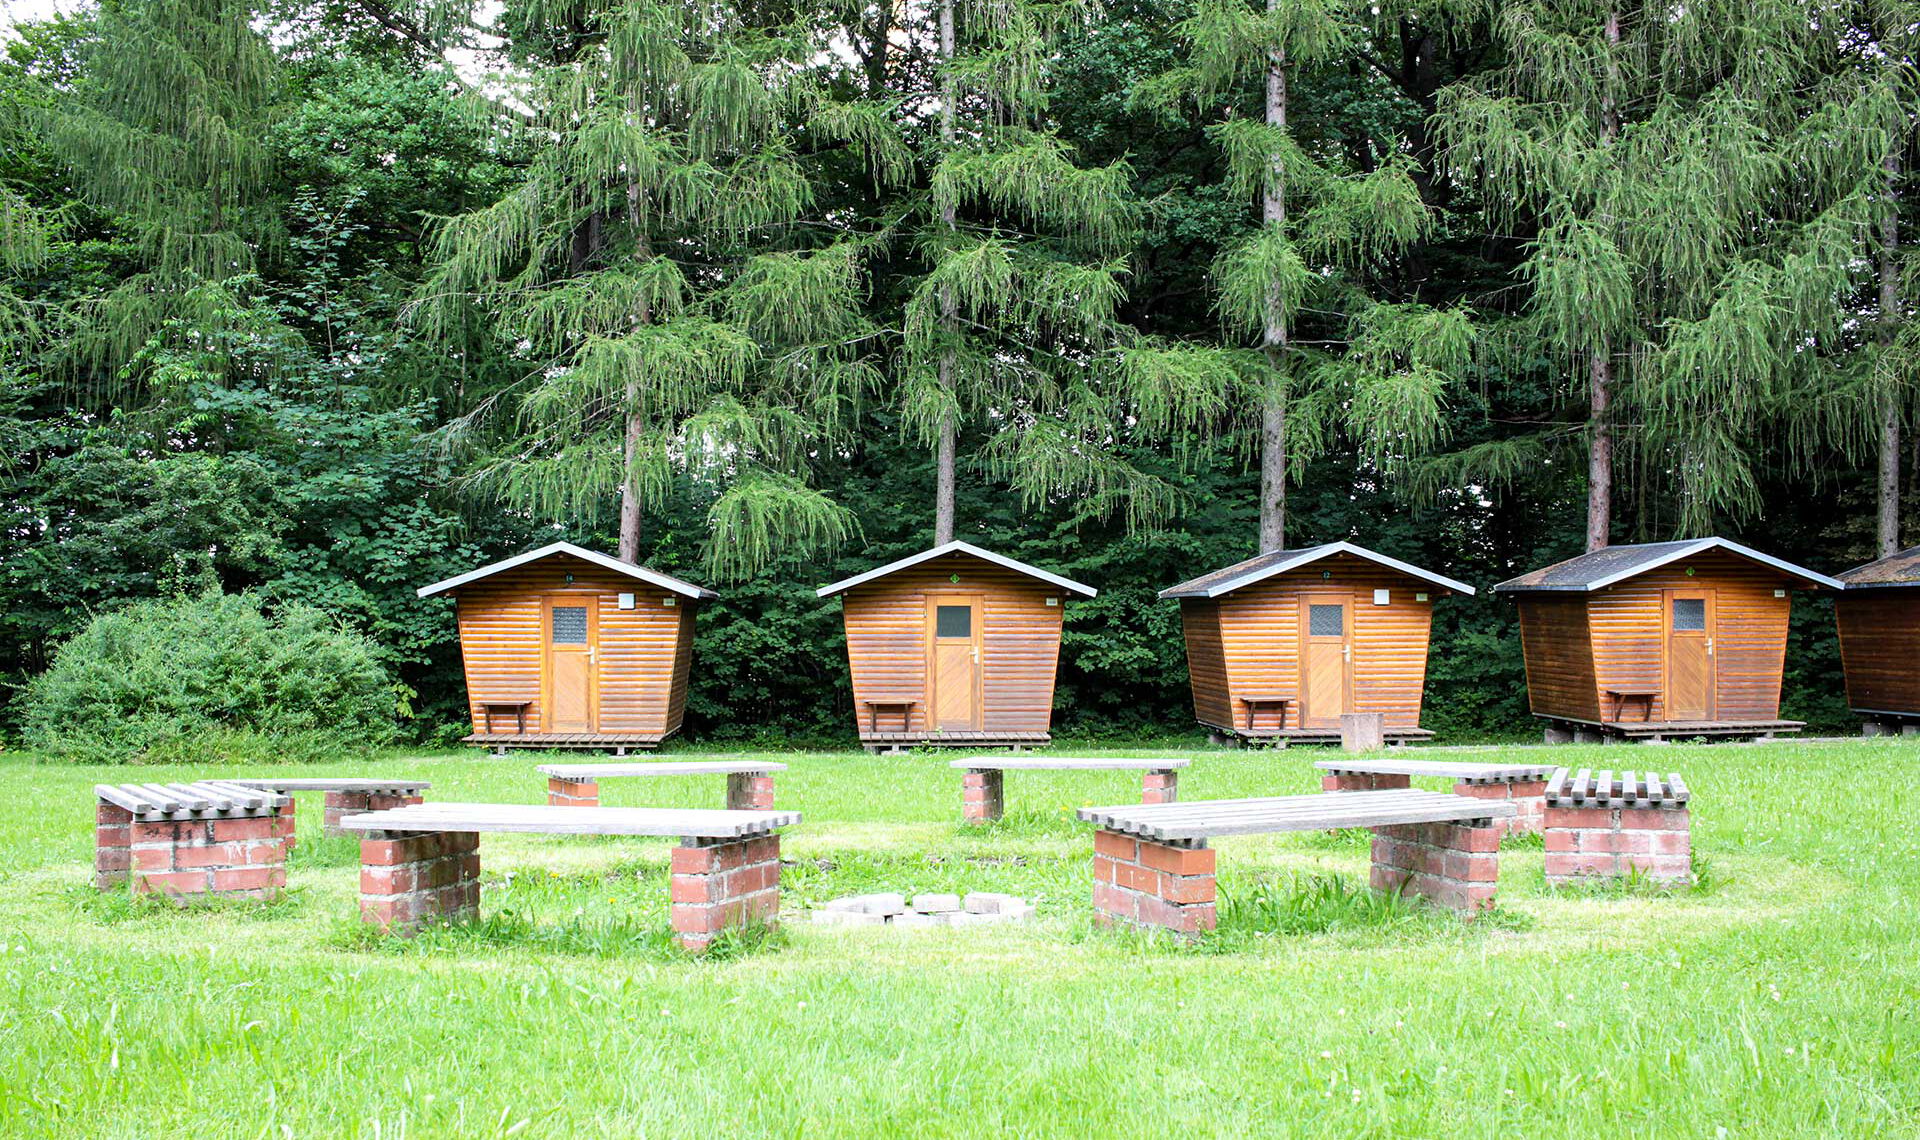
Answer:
(345, 797)
(1253, 704)
(1522, 785)
(749, 782)
(206, 839)
(1619, 699)
(1152, 866)
(517, 708)
(421, 863)
(875, 708)
(983, 799)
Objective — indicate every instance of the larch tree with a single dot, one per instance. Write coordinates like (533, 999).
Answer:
(676, 317)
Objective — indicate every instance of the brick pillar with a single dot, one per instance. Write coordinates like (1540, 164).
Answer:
(981, 795)
(1362, 781)
(1137, 882)
(1453, 864)
(1160, 787)
(1528, 797)
(1585, 843)
(411, 878)
(572, 793)
(724, 883)
(112, 845)
(188, 859)
(289, 825)
(750, 791)
(343, 804)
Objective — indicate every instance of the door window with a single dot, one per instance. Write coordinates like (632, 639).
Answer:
(953, 621)
(1689, 615)
(1326, 621)
(569, 625)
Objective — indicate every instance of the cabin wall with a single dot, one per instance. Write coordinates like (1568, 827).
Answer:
(1206, 661)
(1556, 643)
(1259, 630)
(1750, 634)
(886, 623)
(642, 655)
(1879, 646)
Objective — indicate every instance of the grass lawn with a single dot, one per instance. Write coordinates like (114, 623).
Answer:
(1779, 999)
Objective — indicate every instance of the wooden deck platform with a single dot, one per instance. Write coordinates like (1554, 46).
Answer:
(900, 741)
(499, 742)
(1281, 737)
(1561, 730)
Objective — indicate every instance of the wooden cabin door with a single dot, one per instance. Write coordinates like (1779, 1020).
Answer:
(1326, 659)
(1690, 637)
(953, 665)
(572, 636)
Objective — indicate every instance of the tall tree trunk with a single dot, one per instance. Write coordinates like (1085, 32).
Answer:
(1600, 367)
(1889, 528)
(636, 423)
(1273, 338)
(943, 475)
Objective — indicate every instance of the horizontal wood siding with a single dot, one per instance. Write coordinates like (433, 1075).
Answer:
(886, 623)
(1559, 656)
(639, 652)
(1880, 649)
(1260, 637)
(1206, 661)
(1749, 635)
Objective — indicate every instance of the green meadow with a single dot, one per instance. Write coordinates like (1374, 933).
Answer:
(1775, 998)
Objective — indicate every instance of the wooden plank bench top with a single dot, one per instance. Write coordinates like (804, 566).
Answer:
(1472, 773)
(317, 784)
(1205, 819)
(581, 772)
(685, 823)
(203, 799)
(1610, 789)
(1068, 763)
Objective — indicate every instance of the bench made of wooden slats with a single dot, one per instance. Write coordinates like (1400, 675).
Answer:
(204, 799)
(517, 708)
(580, 772)
(684, 823)
(1254, 704)
(1068, 763)
(372, 786)
(1452, 770)
(1620, 697)
(1610, 789)
(1205, 819)
(904, 708)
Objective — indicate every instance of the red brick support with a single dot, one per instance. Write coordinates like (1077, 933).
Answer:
(342, 804)
(750, 791)
(721, 884)
(189, 859)
(1363, 781)
(411, 878)
(1528, 797)
(289, 825)
(1137, 882)
(112, 845)
(572, 793)
(1587, 843)
(1160, 787)
(981, 795)
(1452, 864)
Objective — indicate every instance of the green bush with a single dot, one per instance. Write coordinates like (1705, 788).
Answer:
(210, 679)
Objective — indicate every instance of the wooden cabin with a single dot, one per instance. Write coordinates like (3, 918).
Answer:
(1879, 618)
(1279, 646)
(954, 646)
(1659, 640)
(567, 648)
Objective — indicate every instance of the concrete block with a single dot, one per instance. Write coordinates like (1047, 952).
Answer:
(936, 903)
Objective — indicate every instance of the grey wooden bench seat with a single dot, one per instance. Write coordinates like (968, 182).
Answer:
(1153, 868)
(191, 841)
(1616, 790)
(1522, 785)
(345, 795)
(983, 795)
(1464, 771)
(1618, 825)
(749, 782)
(421, 863)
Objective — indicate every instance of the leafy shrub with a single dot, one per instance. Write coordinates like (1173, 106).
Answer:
(212, 678)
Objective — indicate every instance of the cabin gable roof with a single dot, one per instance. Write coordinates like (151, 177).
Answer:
(1264, 566)
(1599, 569)
(627, 569)
(1893, 571)
(1000, 560)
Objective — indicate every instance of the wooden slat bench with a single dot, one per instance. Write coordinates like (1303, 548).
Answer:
(1621, 697)
(749, 782)
(422, 863)
(192, 841)
(344, 797)
(983, 798)
(517, 708)
(1523, 785)
(1153, 868)
(1618, 824)
(1275, 701)
(904, 708)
